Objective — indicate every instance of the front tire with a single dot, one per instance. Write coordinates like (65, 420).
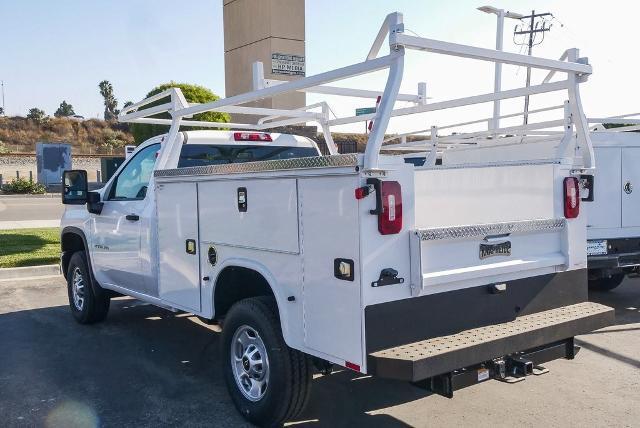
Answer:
(269, 382)
(606, 283)
(88, 302)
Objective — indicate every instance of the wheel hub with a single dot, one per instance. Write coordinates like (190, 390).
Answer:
(249, 363)
(246, 364)
(77, 288)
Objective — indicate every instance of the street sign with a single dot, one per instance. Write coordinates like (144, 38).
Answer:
(365, 110)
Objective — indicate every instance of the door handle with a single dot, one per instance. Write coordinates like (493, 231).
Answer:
(133, 217)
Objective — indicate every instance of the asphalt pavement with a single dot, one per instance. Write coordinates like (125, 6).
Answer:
(18, 212)
(146, 366)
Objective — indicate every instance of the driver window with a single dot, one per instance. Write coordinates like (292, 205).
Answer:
(133, 180)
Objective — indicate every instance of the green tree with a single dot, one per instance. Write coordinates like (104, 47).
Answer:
(193, 94)
(37, 115)
(1, 111)
(110, 101)
(64, 110)
(113, 140)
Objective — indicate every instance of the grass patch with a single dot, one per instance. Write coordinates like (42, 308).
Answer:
(29, 247)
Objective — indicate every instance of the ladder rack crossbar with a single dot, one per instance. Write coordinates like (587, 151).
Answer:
(575, 68)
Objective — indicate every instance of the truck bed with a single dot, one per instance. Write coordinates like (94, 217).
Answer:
(302, 218)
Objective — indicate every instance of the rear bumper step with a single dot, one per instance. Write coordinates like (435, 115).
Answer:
(432, 357)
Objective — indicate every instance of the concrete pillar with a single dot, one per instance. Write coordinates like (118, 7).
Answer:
(271, 31)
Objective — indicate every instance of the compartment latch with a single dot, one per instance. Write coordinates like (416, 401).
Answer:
(388, 276)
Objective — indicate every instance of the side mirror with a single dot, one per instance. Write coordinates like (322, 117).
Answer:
(74, 187)
(94, 206)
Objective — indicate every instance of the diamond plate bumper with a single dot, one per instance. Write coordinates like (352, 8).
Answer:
(432, 357)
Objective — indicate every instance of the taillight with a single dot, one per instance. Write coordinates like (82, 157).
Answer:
(352, 366)
(390, 216)
(251, 136)
(571, 197)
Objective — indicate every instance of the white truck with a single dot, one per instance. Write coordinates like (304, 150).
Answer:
(442, 275)
(613, 228)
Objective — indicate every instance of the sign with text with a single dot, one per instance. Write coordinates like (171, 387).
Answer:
(365, 110)
(292, 65)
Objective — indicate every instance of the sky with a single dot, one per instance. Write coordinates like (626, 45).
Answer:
(60, 50)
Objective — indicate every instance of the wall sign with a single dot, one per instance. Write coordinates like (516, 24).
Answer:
(292, 65)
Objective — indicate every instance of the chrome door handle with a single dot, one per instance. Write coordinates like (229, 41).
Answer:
(133, 217)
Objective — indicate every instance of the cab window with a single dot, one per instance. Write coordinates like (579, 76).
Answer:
(202, 155)
(133, 180)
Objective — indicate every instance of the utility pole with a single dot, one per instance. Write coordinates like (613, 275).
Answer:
(532, 31)
(4, 111)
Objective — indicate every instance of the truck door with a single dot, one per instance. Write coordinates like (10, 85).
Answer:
(115, 247)
(630, 187)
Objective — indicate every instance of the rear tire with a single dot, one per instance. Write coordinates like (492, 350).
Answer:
(606, 283)
(266, 389)
(89, 303)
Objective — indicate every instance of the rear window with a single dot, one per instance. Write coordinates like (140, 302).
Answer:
(204, 154)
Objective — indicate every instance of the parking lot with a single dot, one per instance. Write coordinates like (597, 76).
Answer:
(147, 367)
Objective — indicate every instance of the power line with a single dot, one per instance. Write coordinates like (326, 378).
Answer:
(538, 25)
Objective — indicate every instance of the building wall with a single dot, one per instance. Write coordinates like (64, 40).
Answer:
(253, 31)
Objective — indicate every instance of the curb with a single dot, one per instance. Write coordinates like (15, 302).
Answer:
(29, 271)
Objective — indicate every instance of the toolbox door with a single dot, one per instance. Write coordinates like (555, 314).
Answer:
(630, 187)
(179, 280)
(605, 210)
(332, 314)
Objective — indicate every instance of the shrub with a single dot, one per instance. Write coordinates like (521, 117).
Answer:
(193, 94)
(22, 185)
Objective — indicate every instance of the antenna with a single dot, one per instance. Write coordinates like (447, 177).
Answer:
(537, 25)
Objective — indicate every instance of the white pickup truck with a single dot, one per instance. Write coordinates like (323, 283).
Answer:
(613, 229)
(442, 275)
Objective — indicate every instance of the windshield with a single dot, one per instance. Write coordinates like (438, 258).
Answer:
(204, 154)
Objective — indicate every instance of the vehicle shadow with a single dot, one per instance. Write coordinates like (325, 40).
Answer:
(145, 366)
(625, 299)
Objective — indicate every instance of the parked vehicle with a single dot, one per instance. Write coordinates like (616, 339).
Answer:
(613, 228)
(444, 276)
